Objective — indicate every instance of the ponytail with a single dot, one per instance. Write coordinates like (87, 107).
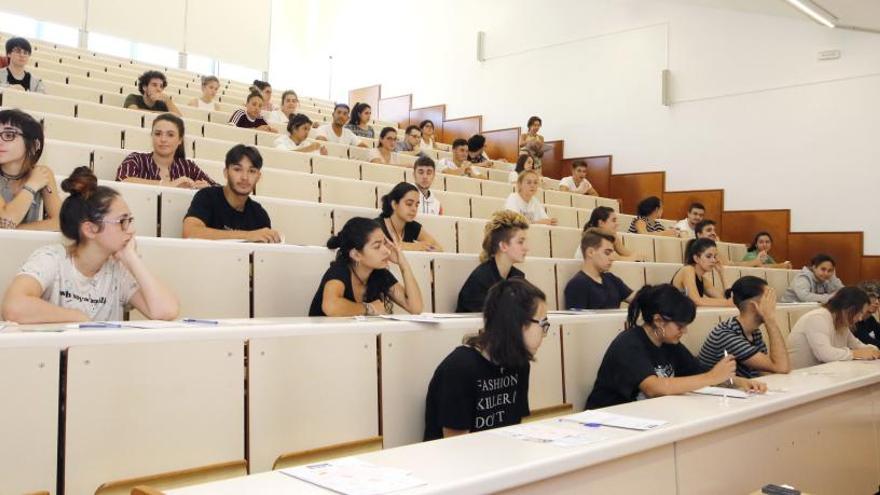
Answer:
(664, 300)
(394, 196)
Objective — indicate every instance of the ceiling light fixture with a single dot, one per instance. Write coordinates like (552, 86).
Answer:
(815, 12)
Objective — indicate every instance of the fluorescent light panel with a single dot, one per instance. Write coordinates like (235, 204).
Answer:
(813, 10)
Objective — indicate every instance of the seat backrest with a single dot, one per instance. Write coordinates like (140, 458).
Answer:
(299, 222)
(541, 272)
(640, 244)
(496, 189)
(484, 207)
(311, 456)
(63, 156)
(566, 216)
(668, 249)
(558, 198)
(336, 167)
(583, 201)
(584, 348)
(565, 242)
(389, 174)
(289, 185)
(158, 483)
(275, 267)
(461, 184)
(83, 131)
(342, 191)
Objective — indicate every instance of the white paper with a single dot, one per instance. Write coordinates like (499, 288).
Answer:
(427, 317)
(550, 434)
(723, 392)
(352, 476)
(571, 312)
(615, 420)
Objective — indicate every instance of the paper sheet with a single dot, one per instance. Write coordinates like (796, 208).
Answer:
(723, 392)
(550, 434)
(615, 420)
(353, 476)
(430, 317)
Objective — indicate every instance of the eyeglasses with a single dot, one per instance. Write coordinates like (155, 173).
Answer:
(543, 323)
(19, 51)
(124, 222)
(9, 134)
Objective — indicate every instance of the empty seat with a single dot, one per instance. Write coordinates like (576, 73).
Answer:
(62, 156)
(375, 172)
(230, 133)
(611, 203)
(285, 160)
(541, 272)
(30, 101)
(83, 131)
(358, 153)
(484, 207)
(106, 113)
(660, 273)
(289, 185)
(565, 215)
(624, 221)
(640, 244)
(450, 273)
(443, 229)
(496, 189)
(565, 242)
(106, 162)
(557, 198)
(454, 204)
(539, 240)
(668, 249)
(336, 167)
(74, 92)
(699, 329)
(340, 191)
(778, 279)
(470, 235)
(583, 216)
(299, 222)
(461, 184)
(583, 201)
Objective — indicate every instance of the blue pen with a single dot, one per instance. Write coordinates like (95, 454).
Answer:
(196, 320)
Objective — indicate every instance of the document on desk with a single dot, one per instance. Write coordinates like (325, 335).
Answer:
(430, 317)
(551, 434)
(602, 418)
(351, 476)
(723, 392)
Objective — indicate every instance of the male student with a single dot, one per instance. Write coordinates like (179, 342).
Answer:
(458, 164)
(695, 215)
(412, 141)
(424, 172)
(13, 75)
(228, 212)
(151, 85)
(708, 229)
(336, 132)
(594, 286)
(577, 182)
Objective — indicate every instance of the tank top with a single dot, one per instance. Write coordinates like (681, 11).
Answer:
(34, 212)
(204, 106)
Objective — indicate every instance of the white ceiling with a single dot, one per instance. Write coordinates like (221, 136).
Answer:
(863, 14)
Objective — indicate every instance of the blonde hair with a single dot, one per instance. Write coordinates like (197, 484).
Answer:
(524, 173)
(500, 228)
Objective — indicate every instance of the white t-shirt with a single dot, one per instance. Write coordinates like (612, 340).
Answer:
(429, 205)
(427, 145)
(533, 210)
(101, 297)
(580, 189)
(684, 226)
(283, 142)
(446, 164)
(347, 136)
(276, 116)
(205, 106)
(375, 153)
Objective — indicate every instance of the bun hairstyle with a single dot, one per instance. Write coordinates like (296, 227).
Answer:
(599, 214)
(253, 94)
(296, 120)
(394, 196)
(664, 300)
(501, 228)
(354, 235)
(696, 247)
(260, 85)
(31, 132)
(745, 289)
(87, 202)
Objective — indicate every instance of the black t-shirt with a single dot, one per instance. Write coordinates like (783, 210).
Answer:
(411, 230)
(468, 392)
(24, 82)
(630, 359)
(472, 295)
(582, 292)
(138, 101)
(378, 286)
(868, 331)
(210, 206)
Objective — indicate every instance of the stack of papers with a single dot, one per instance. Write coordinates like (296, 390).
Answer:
(352, 476)
(601, 418)
(550, 434)
(723, 392)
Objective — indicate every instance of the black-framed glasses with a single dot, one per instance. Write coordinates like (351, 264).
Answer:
(10, 134)
(20, 51)
(544, 323)
(124, 222)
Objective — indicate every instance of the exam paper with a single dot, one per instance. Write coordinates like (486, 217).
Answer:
(723, 392)
(352, 476)
(615, 420)
(550, 434)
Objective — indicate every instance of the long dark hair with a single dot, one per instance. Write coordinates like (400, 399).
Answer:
(385, 132)
(696, 247)
(664, 300)
(648, 205)
(510, 306)
(521, 163)
(180, 152)
(754, 245)
(845, 305)
(31, 133)
(355, 117)
(87, 202)
(394, 196)
(599, 214)
(354, 235)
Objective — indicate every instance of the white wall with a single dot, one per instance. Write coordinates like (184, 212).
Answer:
(754, 113)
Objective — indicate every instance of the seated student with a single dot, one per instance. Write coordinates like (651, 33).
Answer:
(868, 329)
(604, 219)
(523, 163)
(740, 336)
(210, 86)
(167, 164)
(424, 173)
(265, 90)
(707, 229)
(525, 200)
(484, 383)
(250, 117)
(13, 76)
(27, 190)
(228, 212)
(458, 164)
(358, 281)
(694, 279)
(397, 220)
(647, 359)
(412, 141)
(824, 334)
(594, 286)
(477, 149)
(336, 131)
(95, 277)
(297, 135)
(815, 283)
(648, 211)
(383, 153)
(760, 250)
(696, 212)
(359, 123)
(577, 182)
(505, 242)
(152, 97)
(289, 107)
(427, 128)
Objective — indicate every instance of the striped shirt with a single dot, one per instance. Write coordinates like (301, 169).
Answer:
(240, 118)
(141, 166)
(729, 336)
(650, 225)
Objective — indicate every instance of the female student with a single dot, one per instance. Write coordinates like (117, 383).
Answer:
(95, 277)
(297, 137)
(759, 251)
(648, 211)
(397, 220)
(694, 279)
(250, 117)
(359, 123)
(427, 128)
(523, 163)
(382, 154)
(533, 126)
(824, 334)
(505, 243)
(605, 219)
(167, 164)
(815, 283)
(289, 107)
(210, 86)
(358, 281)
(27, 190)
(265, 90)
(525, 200)
(484, 383)
(647, 359)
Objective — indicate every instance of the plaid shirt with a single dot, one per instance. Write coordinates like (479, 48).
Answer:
(142, 166)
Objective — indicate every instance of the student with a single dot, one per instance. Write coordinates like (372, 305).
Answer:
(167, 164)
(459, 165)
(577, 182)
(868, 329)
(647, 359)
(297, 135)
(336, 132)
(397, 220)
(424, 172)
(427, 128)
(505, 242)
(13, 76)
(98, 275)
(533, 143)
(250, 117)
(594, 286)
(648, 211)
(289, 107)
(476, 149)
(484, 383)
(823, 334)
(604, 219)
(525, 200)
(210, 86)
(383, 154)
(523, 162)
(27, 190)
(707, 229)
(696, 212)
(265, 90)
(228, 212)
(152, 97)
(815, 283)
(694, 279)
(358, 281)
(535, 150)
(740, 336)
(359, 124)
(760, 250)
(412, 141)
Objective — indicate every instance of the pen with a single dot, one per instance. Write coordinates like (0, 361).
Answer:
(196, 320)
(729, 380)
(100, 324)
